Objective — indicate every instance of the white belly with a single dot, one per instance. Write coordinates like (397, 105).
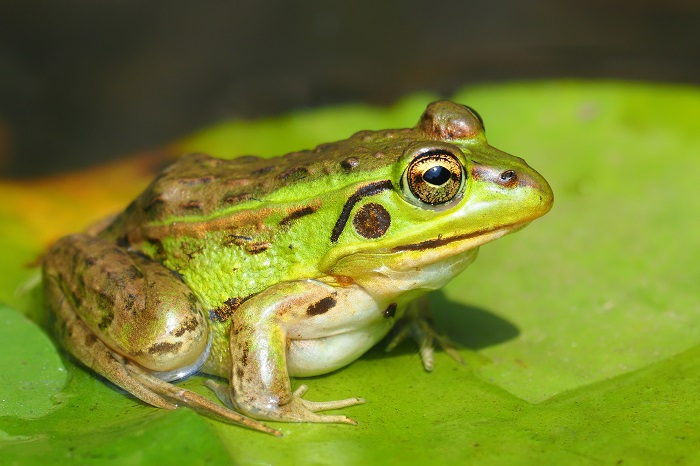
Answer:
(322, 355)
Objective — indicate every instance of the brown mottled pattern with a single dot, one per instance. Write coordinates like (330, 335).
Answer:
(113, 290)
(199, 185)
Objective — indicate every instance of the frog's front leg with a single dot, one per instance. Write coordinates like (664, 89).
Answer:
(417, 323)
(303, 327)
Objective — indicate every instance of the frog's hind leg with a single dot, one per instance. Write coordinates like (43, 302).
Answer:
(197, 401)
(92, 352)
(131, 320)
(152, 390)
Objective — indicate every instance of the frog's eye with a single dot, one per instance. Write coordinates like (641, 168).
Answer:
(434, 177)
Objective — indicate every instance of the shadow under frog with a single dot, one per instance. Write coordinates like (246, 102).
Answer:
(466, 326)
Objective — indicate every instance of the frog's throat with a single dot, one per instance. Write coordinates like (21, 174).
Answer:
(186, 371)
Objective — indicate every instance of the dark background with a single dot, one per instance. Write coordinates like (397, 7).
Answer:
(83, 81)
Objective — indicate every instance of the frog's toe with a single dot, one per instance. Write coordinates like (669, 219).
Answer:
(221, 392)
(315, 406)
(418, 325)
(301, 410)
(307, 409)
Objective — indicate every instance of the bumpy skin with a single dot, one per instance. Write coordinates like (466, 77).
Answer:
(256, 270)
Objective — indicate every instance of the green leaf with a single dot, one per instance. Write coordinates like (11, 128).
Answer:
(29, 378)
(579, 332)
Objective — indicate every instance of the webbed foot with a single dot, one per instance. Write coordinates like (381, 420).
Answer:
(297, 410)
(417, 323)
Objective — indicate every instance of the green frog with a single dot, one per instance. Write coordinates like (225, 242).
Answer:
(256, 270)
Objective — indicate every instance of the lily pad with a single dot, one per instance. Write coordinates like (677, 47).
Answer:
(578, 332)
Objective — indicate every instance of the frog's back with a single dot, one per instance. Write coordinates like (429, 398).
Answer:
(199, 186)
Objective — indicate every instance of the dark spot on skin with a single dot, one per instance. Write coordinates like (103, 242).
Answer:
(343, 280)
(75, 301)
(244, 357)
(372, 221)
(164, 347)
(322, 306)
(226, 310)
(130, 303)
(123, 242)
(104, 301)
(390, 311)
(90, 339)
(257, 247)
(298, 213)
(369, 189)
(192, 299)
(231, 199)
(239, 372)
(350, 163)
(321, 148)
(158, 246)
(293, 174)
(133, 273)
(153, 207)
(191, 250)
(107, 319)
(90, 261)
(237, 240)
(76, 259)
(192, 206)
(262, 171)
(196, 181)
(188, 326)
(179, 276)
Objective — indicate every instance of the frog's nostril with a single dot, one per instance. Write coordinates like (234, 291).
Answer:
(508, 177)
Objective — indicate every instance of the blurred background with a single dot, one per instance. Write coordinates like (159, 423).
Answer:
(82, 82)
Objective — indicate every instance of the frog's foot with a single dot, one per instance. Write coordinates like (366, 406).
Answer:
(418, 324)
(311, 407)
(194, 400)
(298, 410)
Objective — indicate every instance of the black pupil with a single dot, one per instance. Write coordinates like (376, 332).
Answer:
(437, 175)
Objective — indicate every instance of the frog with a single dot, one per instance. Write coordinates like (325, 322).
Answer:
(257, 271)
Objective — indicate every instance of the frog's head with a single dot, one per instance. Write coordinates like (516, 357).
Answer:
(443, 192)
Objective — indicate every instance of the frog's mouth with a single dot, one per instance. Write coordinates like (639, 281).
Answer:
(472, 239)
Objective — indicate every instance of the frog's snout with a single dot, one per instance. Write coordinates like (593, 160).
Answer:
(540, 185)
